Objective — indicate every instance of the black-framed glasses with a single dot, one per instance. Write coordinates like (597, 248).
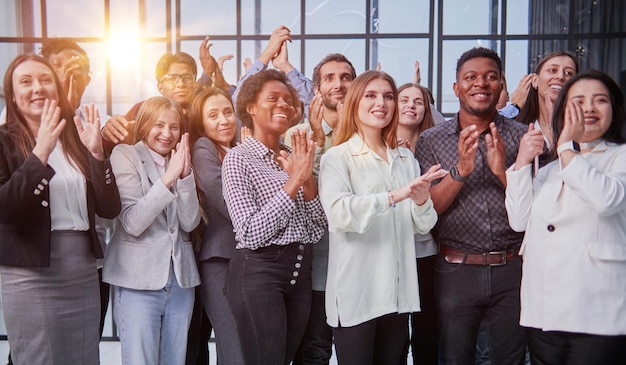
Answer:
(173, 79)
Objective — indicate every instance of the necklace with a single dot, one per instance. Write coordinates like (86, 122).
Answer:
(590, 145)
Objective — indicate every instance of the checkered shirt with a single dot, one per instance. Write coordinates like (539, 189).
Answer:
(477, 220)
(262, 212)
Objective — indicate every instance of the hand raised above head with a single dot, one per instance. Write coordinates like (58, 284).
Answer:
(206, 59)
(281, 60)
(278, 37)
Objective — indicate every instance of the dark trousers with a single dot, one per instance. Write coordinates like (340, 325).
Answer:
(198, 334)
(316, 347)
(469, 294)
(565, 348)
(105, 290)
(269, 291)
(380, 341)
(424, 331)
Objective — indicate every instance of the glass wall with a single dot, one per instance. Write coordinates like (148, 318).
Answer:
(125, 38)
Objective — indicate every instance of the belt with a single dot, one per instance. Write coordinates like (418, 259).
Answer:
(494, 258)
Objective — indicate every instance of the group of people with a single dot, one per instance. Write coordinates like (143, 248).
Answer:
(300, 213)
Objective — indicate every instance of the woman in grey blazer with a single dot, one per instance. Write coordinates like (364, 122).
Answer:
(150, 261)
(213, 133)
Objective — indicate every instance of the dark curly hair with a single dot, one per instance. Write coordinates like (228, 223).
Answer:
(478, 52)
(56, 45)
(252, 86)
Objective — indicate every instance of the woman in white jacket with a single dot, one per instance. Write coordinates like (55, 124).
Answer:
(574, 212)
(150, 260)
(375, 201)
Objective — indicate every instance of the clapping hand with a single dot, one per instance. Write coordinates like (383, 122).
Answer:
(180, 162)
(530, 146)
(89, 131)
(49, 130)
(419, 188)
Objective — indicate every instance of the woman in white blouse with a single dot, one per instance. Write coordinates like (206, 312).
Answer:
(375, 201)
(573, 211)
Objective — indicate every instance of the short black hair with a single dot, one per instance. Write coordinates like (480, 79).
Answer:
(332, 57)
(479, 52)
(52, 46)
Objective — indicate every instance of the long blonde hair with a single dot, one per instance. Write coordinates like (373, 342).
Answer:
(349, 122)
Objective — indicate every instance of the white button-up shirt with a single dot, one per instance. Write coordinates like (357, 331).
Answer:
(371, 269)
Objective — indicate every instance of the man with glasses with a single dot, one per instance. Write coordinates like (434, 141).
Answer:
(176, 80)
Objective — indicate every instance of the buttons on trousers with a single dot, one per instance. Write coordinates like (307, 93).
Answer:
(298, 264)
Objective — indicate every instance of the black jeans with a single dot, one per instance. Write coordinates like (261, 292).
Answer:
(380, 341)
(316, 347)
(467, 294)
(566, 348)
(269, 291)
(424, 330)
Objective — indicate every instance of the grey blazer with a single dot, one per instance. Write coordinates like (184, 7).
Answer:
(218, 238)
(153, 227)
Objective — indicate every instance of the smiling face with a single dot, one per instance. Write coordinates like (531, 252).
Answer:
(273, 109)
(179, 91)
(594, 98)
(553, 74)
(165, 133)
(335, 79)
(411, 107)
(376, 106)
(218, 119)
(478, 86)
(33, 83)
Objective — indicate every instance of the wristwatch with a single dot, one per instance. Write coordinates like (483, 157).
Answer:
(568, 146)
(454, 172)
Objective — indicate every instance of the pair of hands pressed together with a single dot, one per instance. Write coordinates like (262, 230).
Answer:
(299, 165)
(496, 151)
(51, 127)
(276, 50)
(180, 162)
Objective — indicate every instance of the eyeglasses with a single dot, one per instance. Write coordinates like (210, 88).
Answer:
(173, 79)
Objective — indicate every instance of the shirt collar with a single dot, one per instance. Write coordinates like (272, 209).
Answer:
(357, 146)
(260, 149)
(157, 157)
(328, 130)
(454, 127)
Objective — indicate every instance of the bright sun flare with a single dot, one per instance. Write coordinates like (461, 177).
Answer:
(124, 49)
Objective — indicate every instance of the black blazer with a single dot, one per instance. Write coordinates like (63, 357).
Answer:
(24, 204)
(218, 238)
